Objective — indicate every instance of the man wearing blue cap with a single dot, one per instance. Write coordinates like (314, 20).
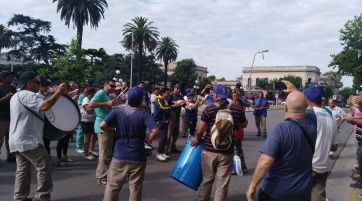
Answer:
(326, 141)
(216, 163)
(129, 156)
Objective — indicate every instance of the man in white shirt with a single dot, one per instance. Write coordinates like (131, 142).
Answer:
(26, 139)
(326, 141)
(338, 114)
(156, 92)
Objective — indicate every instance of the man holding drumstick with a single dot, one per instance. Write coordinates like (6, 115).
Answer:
(26, 139)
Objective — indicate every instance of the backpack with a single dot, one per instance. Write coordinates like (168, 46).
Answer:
(222, 132)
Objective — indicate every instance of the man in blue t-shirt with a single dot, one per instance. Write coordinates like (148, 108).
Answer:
(129, 156)
(286, 159)
(261, 107)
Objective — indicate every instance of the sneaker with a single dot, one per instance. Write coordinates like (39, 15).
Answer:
(331, 157)
(160, 157)
(166, 156)
(102, 182)
(258, 134)
(174, 150)
(264, 135)
(356, 185)
(89, 157)
(80, 151)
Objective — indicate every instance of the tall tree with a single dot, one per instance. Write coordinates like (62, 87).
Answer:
(140, 36)
(167, 52)
(81, 12)
(5, 37)
(29, 42)
(349, 60)
(184, 73)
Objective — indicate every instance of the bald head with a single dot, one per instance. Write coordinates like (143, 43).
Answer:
(295, 105)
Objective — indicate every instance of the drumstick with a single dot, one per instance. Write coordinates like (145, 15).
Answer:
(121, 93)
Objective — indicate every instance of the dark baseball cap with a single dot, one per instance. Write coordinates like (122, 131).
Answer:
(26, 77)
(313, 94)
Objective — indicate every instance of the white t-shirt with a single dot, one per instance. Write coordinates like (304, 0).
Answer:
(326, 137)
(26, 129)
(91, 117)
(338, 113)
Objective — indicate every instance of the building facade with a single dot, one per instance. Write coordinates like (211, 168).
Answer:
(200, 71)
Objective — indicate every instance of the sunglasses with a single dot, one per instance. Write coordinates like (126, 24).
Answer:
(35, 82)
(112, 86)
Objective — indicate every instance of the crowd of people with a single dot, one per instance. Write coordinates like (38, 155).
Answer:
(293, 161)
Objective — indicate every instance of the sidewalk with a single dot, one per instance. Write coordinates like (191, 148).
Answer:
(338, 182)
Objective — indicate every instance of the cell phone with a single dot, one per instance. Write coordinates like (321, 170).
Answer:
(279, 86)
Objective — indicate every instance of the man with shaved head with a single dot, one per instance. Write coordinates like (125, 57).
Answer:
(286, 156)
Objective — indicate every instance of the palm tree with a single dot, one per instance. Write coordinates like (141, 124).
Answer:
(144, 38)
(5, 37)
(166, 51)
(81, 12)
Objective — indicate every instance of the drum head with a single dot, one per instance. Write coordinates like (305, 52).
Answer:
(64, 115)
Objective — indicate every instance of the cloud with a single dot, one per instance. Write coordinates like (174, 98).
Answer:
(220, 35)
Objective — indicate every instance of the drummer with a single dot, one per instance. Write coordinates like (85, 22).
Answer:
(26, 139)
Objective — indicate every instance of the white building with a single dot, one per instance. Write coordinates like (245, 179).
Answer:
(200, 71)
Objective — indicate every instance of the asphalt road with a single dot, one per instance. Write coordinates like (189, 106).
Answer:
(77, 181)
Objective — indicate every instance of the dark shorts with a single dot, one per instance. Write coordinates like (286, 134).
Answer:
(88, 127)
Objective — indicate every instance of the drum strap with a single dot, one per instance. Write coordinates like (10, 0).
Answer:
(29, 109)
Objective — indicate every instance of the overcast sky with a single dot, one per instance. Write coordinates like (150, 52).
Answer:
(222, 35)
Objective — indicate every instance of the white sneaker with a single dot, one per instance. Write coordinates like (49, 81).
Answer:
(80, 151)
(166, 156)
(160, 157)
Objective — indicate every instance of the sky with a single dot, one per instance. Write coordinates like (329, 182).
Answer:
(222, 35)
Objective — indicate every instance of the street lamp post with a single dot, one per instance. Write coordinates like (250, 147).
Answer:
(196, 86)
(116, 78)
(251, 71)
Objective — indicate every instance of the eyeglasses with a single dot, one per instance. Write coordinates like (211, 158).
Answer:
(35, 82)
(112, 86)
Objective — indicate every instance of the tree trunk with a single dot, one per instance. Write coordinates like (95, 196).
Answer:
(80, 35)
(166, 69)
(139, 64)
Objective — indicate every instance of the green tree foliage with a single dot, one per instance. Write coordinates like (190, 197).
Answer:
(81, 12)
(29, 42)
(72, 66)
(206, 80)
(222, 79)
(295, 80)
(347, 61)
(96, 56)
(261, 83)
(184, 74)
(140, 36)
(166, 51)
(346, 92)
(5, 37)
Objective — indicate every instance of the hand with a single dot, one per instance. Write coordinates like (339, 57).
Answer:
(250, 193)
(148, 140)
(348, 118)
(62, 87)
(9, 95)
(290, 86)
(110, 103)
(194, 142)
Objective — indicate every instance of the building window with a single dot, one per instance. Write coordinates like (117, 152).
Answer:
(309, 80)
(257, 81)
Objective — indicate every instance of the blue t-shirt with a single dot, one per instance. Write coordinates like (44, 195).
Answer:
(290, 176)
(131, 122)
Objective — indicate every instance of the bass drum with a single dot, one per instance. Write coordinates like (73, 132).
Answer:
(62, 118)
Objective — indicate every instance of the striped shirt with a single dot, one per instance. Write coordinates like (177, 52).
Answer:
(209, 115)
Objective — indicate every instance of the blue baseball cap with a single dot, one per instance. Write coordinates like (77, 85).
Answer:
(135, 95)
(220, 90)
(190, 94)
(313, 94)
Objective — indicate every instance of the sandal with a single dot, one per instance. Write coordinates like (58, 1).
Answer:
(94, 153)
(90, 158)
(62, 163)
(68, 160)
